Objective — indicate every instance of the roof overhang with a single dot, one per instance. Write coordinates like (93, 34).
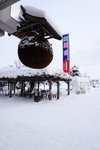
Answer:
(35, 22)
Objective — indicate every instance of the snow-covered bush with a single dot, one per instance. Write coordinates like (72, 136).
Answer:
(74, 71)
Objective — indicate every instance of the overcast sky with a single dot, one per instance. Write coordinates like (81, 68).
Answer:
(81, 19)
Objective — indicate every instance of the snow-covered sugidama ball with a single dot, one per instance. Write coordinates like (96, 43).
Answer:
(35, 52)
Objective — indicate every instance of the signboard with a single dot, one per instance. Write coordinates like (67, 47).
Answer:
(66, 53)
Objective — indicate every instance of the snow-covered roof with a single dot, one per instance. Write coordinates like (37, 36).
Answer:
(34, 11)
(41, 14)
(13, 73)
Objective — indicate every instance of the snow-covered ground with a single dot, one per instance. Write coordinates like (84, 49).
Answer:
(70, 123)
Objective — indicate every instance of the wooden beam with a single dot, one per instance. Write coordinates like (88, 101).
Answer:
(58, 89)
(68, 87)
(10, 90)
(50, 89)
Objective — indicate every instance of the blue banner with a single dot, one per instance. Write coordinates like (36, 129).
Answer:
(66, 53)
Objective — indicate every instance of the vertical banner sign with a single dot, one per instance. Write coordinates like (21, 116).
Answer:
(66, 53)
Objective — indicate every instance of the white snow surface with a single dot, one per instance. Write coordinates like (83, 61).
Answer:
(34, 11)
(70, 123)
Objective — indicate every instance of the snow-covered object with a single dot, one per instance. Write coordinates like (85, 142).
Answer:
(80, 84)
(41, 14)
(24, 71)
(35, 52)
(75, 71)
(31, 40)
(34, 11)
(13, 73)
